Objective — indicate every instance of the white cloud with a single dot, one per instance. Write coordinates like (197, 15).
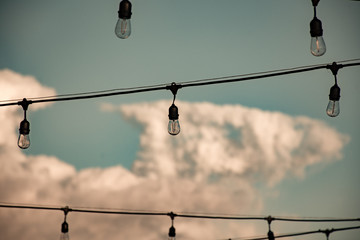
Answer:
(212, 167)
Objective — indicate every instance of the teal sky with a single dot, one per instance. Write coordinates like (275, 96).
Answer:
(71, 46)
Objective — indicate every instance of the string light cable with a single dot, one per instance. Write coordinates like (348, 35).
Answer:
(182, 215)
(332, 110)
(201, 82)
(327, 233)
(172, 215)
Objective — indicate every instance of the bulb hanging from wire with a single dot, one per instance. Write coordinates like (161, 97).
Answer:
(123, 25)
(65, 226)
(172, 232)
(174, 125)
(333, 107)
(270, 233)
(64, 231)
(24, 130)
(317, 44)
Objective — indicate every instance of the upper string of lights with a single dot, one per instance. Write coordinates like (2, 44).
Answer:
(332, 109)
(172, 232)
(317, 44)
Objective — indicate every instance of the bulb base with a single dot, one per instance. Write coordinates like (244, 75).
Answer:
(316, 28)
(125, 9)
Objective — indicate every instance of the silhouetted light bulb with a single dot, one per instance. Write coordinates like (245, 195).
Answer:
(172, 233)
(24, 130)
(123, 25)
(174, 125)
(64, 231)
(271, 235)
(333, 108)
(317, 45)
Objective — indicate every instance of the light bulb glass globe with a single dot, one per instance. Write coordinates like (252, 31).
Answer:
(123, 28)
(333, 108)
(64, 236)
(171, 238)
(24, 141)
(317, 46)
(174, 127)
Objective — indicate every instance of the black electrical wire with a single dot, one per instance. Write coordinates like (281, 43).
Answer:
(298, 234)
(183, 215)
(211, 81)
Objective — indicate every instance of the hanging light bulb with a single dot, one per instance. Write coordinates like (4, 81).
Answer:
(24, 130)
(24, 139)
(65, 226)
(64, 231)
(333, 108)
(270, 233)
(317, 45)
(123, 25)
(174, 125)
(172, 232)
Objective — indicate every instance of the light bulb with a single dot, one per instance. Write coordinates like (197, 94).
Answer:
(123, 25)
(24, 139)
(123, 28)
(317, 45)
(64, 236)
(172, 233)
(174, 125)
(333, 108)
(64, 231)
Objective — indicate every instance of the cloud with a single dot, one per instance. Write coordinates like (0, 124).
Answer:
(213, 166)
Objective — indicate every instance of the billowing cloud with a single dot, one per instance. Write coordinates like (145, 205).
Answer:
(211, 167)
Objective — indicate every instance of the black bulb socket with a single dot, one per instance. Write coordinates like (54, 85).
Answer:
(24, 127)
(316, 28)
(173, 112)
(271, 235)
(64, 227)
(172, 232)
(315, 2)
(125, 9)
(334, 93)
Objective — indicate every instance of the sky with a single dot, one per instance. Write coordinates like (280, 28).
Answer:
(262, 147)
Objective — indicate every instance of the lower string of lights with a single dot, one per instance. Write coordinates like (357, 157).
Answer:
(332, 110)
(172, 232)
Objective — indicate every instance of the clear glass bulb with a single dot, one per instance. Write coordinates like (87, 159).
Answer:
(123, 28)
(64, 236)
(333, 108)
(24, 141)
(171, 238)
(317, 46)
(174, 127)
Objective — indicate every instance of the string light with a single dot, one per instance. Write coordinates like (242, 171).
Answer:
(24, 130)
(172, 233)
(333, 107)
(123, 25)
(173, 125)
(317, 45)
